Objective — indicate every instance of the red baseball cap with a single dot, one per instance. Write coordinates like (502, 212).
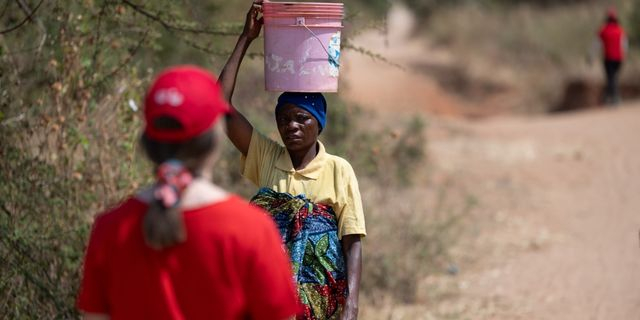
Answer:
(188, 94)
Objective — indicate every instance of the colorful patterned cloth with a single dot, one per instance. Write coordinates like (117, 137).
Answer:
(310, 234)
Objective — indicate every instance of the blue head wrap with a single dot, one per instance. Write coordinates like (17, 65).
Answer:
(312, 102)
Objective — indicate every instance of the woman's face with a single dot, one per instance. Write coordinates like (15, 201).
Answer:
(298, 128)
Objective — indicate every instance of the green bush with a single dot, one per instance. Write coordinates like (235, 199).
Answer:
(71, 82)
(43, 230)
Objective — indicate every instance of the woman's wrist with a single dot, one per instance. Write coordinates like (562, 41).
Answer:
(350, 310)
(244, 38)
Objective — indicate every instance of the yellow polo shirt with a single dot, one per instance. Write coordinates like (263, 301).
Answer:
(327, 179)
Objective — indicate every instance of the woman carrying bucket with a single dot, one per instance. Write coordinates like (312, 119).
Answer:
(312, 196)
(184, 248)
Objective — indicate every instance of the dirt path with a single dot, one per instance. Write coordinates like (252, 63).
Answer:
(555, 234)
(557, 219)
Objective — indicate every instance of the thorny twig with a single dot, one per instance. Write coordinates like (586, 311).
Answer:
(132, 53)
(375, 56)
(25, 8)
(171, 27)
(4, 10)
(21, 23)
(4, 208)
(94, 58)
(204, 49)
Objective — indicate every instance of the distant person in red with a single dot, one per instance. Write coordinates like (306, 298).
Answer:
(614, 45)
(184, 248)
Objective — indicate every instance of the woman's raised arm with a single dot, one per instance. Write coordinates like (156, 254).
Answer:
(239, 129)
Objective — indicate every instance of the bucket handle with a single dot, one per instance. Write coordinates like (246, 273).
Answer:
(300, 21)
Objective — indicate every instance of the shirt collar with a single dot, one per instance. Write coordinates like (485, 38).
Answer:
(311, 171)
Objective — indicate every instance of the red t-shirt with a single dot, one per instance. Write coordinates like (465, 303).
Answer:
(612, 36)
(232, 266)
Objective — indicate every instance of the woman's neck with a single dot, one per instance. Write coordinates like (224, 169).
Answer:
(202, 192)
(300, 159)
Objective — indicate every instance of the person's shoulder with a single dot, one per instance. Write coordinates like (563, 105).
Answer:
(120, 211)
(339, 164)
(108, 222)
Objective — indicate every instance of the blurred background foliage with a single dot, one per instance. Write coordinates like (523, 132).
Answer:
(72, 78)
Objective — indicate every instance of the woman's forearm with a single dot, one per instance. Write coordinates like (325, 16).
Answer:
(352, 248)
(239, 130)
(229, 73)
(252, 27)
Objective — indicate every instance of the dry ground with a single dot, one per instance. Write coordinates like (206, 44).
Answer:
(555, 234)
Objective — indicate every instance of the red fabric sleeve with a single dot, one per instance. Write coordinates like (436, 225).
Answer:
(270, 289)
(93, 291)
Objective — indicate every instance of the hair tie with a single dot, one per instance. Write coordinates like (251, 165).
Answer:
(173, 178)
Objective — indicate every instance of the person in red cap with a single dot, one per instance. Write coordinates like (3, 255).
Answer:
(184, 248)
(614, 46)
(313, 196)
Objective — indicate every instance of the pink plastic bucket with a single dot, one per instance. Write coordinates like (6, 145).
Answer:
(302, 46)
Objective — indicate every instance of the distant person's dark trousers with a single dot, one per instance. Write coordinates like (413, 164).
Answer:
(612, 69)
